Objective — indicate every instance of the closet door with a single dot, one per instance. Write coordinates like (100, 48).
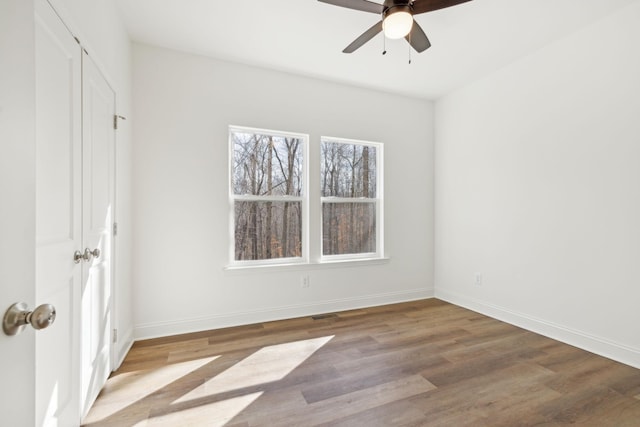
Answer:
(98, 156)
(58, 217)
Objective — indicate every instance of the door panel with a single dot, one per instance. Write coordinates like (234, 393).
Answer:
(98, 195)
(17, 205)
(58, 211)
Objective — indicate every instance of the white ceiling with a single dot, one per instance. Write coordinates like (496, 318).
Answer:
(307, 37)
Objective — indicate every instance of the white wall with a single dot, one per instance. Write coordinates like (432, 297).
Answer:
(17, 205)
(183, 106)
(101, 31)
(538, 189)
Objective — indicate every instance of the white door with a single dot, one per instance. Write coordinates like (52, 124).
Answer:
(98, 144)
(58, 217)
(74, 193)
(17, 206)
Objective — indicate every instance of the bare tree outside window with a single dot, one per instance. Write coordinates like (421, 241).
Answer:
(349, 180)
(267, 186)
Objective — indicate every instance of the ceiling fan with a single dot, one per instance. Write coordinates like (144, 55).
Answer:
(397, 19)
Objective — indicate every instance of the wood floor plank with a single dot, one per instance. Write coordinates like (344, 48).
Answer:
(368, 373)
(355, 402)
(398, 413)
(421, 363)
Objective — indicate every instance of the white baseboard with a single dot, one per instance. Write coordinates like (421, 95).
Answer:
(175, 327)
(603, 347)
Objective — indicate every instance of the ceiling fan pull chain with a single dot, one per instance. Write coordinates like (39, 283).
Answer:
(384, 44)
(409, 48)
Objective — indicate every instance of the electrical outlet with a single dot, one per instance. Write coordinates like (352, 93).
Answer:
(478, 279)
(305, 283)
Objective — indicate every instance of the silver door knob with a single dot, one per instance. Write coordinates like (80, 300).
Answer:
(18, 317)
(90, 254)
(77, 257)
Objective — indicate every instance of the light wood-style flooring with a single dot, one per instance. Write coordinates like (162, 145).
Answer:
(422, 363)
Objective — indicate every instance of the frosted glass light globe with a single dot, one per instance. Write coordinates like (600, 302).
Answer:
(397, 25)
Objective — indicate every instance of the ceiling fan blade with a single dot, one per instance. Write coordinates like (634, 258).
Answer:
(365, 37)
(417, 38)
(364, 5)
(423, 6)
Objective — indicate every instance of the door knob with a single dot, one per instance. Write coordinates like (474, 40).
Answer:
(77, 257)
(89, 254)
(18, 317)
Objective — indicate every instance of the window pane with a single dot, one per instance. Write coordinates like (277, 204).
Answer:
(348, 170)
(266, 164)
(348, 228)
(267, 230)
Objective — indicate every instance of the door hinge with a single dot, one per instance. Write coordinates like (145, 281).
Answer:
(115, 336)
(115, 120)
(115, 228)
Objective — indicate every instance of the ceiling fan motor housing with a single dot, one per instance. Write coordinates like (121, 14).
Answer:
(389, 3)
(395, 9)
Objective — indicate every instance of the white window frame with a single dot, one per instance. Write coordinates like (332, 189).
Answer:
(304, 200)
(378, 200)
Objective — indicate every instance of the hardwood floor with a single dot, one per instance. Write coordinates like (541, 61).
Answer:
(423, 363)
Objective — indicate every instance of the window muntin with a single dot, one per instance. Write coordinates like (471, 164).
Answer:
(351, 179)
(268, 194)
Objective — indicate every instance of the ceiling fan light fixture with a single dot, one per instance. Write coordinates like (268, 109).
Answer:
(397, 22)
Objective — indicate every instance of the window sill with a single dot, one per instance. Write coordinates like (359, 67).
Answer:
(306, 266)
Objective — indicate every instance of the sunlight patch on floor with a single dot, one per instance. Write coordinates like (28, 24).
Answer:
(266, 365)
(212, 414)
(127, 388)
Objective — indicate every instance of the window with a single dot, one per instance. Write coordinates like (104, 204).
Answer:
(351, 198)
(268, 196)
